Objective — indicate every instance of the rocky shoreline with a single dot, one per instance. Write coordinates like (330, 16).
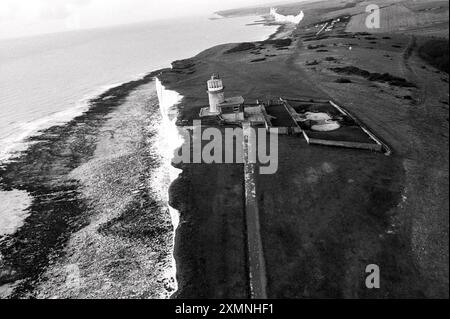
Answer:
(326, 214)
(57, 252)
(93, 166)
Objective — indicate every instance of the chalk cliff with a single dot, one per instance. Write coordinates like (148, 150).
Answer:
(286, 19)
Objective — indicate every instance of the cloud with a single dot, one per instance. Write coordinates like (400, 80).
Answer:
(13, 10)
(57, 9)
(32, 10)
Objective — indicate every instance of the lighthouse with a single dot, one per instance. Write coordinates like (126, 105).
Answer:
(229, 109)
(216, 94)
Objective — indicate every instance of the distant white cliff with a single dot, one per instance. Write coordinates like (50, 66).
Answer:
(286, 19)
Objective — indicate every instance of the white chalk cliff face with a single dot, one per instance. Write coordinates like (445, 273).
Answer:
(166, 142)
(286, 19)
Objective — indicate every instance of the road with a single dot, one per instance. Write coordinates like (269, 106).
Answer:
(257, 269)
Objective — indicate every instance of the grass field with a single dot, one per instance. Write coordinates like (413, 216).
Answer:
(403, 16)
(327, 212)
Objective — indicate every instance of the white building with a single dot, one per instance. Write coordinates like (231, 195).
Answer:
(215, 94)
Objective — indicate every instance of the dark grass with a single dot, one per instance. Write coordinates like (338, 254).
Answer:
(309, 63)
(278, 43)
(42, 170)
(317, 46)
(345, 133)
(436, 53)
(282, 117)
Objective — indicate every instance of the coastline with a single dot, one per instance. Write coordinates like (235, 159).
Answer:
(58, 207)
(42, 259)
(325, 215)
(210, 200)
(126, 248)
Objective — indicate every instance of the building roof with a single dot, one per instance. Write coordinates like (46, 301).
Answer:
(231, 108)
(232, 101)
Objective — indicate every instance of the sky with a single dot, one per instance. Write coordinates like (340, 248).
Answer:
(30, 17)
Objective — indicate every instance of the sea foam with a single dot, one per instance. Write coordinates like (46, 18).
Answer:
(167, 141)
(13, 210)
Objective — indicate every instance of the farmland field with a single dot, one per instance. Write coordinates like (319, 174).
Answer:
(404, 17)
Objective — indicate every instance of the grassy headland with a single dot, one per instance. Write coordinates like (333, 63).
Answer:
(327, 213)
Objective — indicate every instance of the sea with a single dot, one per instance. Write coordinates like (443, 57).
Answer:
(48, 79)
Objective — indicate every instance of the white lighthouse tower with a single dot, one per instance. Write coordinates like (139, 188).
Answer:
(216, 94)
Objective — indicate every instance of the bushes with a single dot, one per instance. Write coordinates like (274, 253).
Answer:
(374, 77)
(279, 43)
(246, 46)
(182, 64)
(313, 47)
(309, 63)
(258, 60)
(351, 70)
(343, 80)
